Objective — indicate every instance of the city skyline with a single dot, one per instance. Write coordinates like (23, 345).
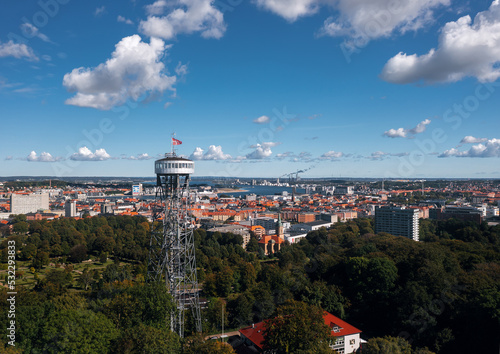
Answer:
(261, 89)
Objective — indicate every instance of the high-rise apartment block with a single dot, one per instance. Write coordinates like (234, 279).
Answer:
(397, 221)
(28, 203)
(70, 209)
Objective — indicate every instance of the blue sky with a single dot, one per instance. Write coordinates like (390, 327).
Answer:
(371, 88)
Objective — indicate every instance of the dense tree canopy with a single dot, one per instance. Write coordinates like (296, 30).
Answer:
(426, 293)
(297, 328)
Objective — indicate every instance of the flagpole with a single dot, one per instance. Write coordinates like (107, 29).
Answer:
(172, 144)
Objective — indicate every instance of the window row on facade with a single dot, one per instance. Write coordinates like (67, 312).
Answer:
(167, 165)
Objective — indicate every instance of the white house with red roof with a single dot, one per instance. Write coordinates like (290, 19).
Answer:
(347, 337)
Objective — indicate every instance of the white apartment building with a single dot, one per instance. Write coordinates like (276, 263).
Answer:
(28, 203)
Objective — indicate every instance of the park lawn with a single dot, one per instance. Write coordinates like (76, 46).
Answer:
(28, 277)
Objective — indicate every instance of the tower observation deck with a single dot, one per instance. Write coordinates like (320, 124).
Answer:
(171, 252)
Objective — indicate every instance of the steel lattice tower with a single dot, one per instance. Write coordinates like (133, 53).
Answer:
(171, 251)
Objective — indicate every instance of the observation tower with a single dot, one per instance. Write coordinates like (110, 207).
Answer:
(171, 251)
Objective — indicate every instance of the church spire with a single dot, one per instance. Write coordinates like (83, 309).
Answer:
(279, 227)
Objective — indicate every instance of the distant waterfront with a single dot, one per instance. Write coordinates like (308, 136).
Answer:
(264, 190)
(242, 190)
(258, 190)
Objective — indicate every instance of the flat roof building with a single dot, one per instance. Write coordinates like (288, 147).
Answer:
(397, 221)
(460, 213)
(28, 203)
(70, 209)
(236, 229)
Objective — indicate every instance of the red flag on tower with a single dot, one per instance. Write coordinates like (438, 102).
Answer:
(176, 141)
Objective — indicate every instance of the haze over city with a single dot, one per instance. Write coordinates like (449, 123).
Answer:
(252, 89)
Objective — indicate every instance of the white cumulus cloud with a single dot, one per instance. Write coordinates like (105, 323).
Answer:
(285, 155)
(197, 154)
(331, 155)
(186, 17)
(261, 151)
(378, 155)
(124, 20)
(144, 156)
(32, 31)
(157, 8)
(43, 157)
(491, 148)
(420, 128)
(290, 10)
(465, 48)
(181, 69)
(261, 120)
(16, 50)
(472, 140)
(303, 156)
(135, 69)
(396, 133)
(85, 154)
(213, 153)
(360, 19)
(408, 133)
(370, 19)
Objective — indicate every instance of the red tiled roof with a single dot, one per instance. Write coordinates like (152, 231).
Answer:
(254, 227)
(266, 238)
(255, 333)
(344, 327)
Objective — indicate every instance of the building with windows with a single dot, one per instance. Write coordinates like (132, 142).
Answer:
(397, 221)
(137, 189)
(234, 229)
(267, 223)
(41, 216)
(28, 203)
(310, 226)
(258, 231)
(344, 190)
(270, 224)
(345, 337)
(271, 244)
(70, 209)
(306, 217)
(465, 213)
